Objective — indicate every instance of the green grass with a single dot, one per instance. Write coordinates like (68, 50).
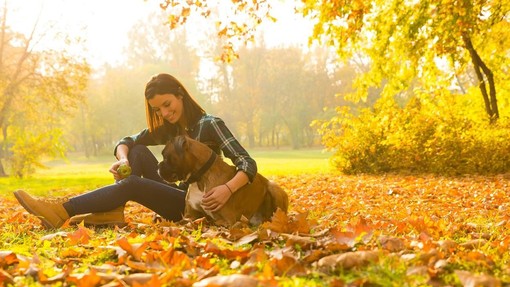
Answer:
(78, 174)
(291, 162)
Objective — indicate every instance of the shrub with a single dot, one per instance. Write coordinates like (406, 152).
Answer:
(438, 133)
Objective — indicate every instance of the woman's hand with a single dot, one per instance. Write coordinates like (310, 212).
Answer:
(115, 166)
(215, 198)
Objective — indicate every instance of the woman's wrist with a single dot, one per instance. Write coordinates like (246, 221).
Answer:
(229, 189)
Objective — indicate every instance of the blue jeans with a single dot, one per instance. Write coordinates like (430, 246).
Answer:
(144, 186)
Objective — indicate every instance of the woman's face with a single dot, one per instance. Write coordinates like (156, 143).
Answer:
(167, 106)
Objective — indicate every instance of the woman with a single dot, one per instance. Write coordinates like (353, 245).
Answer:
(170, 111)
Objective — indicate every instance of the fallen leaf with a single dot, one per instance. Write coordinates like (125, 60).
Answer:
(469, 279)
(80, 235)
(234, 280)
(288, 265)
(134, 250)
(142, 279)
(249, 238)
(303, 242)
(279, 222)
(7, 258)
(5, 278)
(392, 244)
(473, 244)
(53, 235)
(347, 260)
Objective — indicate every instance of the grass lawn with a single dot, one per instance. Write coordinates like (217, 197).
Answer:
(78, 174)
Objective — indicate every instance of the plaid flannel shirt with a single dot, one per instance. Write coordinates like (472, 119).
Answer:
(211, 131)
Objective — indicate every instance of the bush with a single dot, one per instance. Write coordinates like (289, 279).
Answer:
(439, 134)
(30, 147)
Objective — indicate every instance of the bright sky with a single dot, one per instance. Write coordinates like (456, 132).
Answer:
(104, 24)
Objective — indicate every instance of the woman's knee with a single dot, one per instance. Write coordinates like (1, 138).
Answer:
(141, 153)
(130, 184)
(139, 149)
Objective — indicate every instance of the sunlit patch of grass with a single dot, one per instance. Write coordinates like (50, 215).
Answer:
(78, 175)
(99, 258)
(389, 271)
(62, 180)
(292, 162)
(15, 240)
(309, 281)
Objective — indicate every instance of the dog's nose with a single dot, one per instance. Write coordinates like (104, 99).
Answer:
(162, 165)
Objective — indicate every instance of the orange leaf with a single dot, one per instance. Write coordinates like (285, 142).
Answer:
(7, 258)
(346, 238)
(134, 250)
(75, 251)
(234, 280)
(80, 236)
(347, 260)
(279, 222)
(469, 279)
(142, 279)
(288, 265)
(5, 278)
(85, 280)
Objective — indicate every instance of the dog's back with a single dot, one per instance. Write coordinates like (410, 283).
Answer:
(256, 201)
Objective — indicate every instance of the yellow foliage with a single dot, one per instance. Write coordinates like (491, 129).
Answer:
(432, 133)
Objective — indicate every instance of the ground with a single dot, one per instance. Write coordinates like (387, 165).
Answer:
(384, 230)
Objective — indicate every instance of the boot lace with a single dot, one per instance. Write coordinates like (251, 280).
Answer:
(54, 200)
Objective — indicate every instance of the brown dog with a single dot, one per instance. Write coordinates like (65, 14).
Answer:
(185, 159)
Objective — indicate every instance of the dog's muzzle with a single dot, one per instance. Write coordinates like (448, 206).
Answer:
(168, 173)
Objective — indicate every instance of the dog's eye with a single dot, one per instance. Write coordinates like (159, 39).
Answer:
(169, 160)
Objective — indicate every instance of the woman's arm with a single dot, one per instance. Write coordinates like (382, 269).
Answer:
(144, 137)
(231, 148)
(121, 153)
(215, 198)
(123, 146)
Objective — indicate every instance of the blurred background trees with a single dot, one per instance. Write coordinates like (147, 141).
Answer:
(39, 90)
(387, 86)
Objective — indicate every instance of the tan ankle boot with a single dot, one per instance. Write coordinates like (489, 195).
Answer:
(112, 217)
(50, 211)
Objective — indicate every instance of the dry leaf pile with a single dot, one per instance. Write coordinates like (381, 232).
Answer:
(341, 231)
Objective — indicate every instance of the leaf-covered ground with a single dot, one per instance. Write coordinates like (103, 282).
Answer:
(387, 230)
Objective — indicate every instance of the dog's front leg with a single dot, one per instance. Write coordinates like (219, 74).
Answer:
(193, 209)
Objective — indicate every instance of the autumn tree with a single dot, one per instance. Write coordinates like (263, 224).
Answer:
(405, 40)
(402, 40)
(37, 87)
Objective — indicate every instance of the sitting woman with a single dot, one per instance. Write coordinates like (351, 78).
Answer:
(171, 111)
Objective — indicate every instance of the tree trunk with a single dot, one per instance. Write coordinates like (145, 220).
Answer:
(3, 151)
(250, 133)
(484, 74)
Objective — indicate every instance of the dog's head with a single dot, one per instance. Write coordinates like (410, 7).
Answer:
(176, 164)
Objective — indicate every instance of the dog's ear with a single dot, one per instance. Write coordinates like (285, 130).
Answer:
(181, 144)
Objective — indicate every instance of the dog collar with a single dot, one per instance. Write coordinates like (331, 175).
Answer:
(194, 177)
